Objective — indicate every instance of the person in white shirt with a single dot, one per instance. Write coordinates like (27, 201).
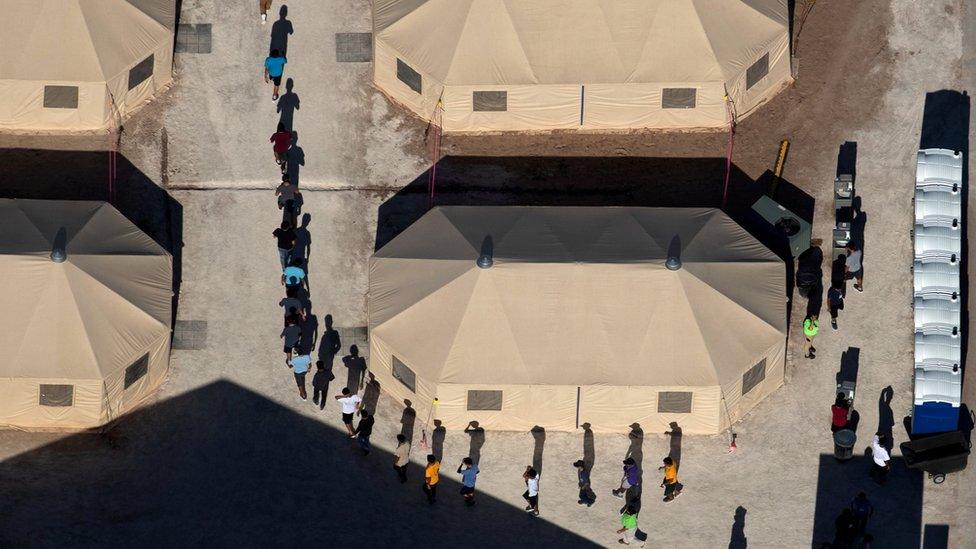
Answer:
(350, 404)
(853, 267)
(531, 494)
(881, 457)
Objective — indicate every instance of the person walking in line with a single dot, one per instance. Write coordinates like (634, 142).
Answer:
(265, 5)
(350, 404)
(291, 305)
(364, 430)
(401, 457)
(320, 382)
(469, 475)
(839, 413)
(274, 67)
(630, 478)
(290, 336)
(285, 191)
(285, 235)
(628, 526)
(281, 140)
(835, 303)
(853, 267)
(672, 488)
(810, 328)
(863, 510)
(431, 478)
(583, 481)
(531, 494)
(845, 529)
(299, 365)
(294, 275)
(881, 464)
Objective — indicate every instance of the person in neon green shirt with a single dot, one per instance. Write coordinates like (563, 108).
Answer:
(810, 328)
(628, 523)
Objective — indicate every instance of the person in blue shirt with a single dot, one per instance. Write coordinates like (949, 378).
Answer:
(583, 478)
(274, 68)
(469, 475)
(299, 366)
(294, 275)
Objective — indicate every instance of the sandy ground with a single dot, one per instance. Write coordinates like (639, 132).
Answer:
(226, 453)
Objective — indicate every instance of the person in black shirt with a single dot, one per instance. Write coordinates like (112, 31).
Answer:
(364, 430)
(286, 242)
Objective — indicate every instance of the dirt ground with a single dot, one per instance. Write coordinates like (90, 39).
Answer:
(227, 453)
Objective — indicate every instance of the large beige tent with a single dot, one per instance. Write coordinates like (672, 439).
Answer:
(81, 65)
(85, 339)
(580, 64)
(578, 319)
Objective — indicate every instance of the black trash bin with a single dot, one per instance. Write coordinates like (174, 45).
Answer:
(844, 441)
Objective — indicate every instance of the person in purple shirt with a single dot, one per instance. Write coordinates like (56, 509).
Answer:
(630, 478)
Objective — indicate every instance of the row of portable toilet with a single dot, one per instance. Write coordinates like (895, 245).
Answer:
(938, 240)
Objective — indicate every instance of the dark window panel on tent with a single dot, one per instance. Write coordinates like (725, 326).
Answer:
(485, 400)
(674, 402)
(754, 376)
(141, 72)
(404, 375)
(56, 395)
(409, 76)
(489, 101)
(757, 71)
(678, 98)
(136, 370)
(60, 97)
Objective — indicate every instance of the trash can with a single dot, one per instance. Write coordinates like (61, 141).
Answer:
(844, 444)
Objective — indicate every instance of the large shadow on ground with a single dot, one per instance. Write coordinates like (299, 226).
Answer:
(897, 520)
(221, 466)
(590, 181)
(84, 175)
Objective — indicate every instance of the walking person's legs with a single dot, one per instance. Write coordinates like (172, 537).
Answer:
(300, 380)
(833, 315)
(401, 473)
(283, 257)
(364, 443)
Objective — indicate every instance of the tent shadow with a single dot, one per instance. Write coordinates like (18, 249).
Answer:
(222, 466)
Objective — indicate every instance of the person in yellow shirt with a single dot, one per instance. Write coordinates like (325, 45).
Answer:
(431, 478)
(672, 488)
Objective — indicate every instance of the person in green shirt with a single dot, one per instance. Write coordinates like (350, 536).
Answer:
(810, 328)
(628, 523)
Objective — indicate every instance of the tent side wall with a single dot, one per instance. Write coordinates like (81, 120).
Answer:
(120, 399)
(385, 77)
(128, 101)
(738, 405)
(20, 404)
(614, 409)
(780, 75)
(523, 407)
(381, 367)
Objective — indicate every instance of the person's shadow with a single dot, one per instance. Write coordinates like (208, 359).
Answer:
(539, 436)
(371, 395)
(303, 239)
(589, 455)
(310, 332)
(288, 103)
(858, 225)
(437, 437)
(886, 418)
(477, 435)
(675, 448)
(738, 538)
(294, 158)
(331, 344)
(280, 31)
(356, 365)
(407, 420)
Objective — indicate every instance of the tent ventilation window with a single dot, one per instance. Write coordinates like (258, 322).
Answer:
(674, 402)
(489, 101)
(754, 376)
(757, 71)
(56, 395)
(136, 370)
(60, 97)
(141, 72)
(404, 375)
(409, 76)
(678, 98)
(485, 400)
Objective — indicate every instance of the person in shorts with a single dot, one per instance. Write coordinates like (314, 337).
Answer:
(431, 478)
(672, 488)
(274, 67)
(531, 494)
(281, 141)
(350, 404)
(853, 267)
(469, 475)
(290, 335)
(299, 365)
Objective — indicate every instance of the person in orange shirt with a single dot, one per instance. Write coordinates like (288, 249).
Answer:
(672, 488)
(431, 478)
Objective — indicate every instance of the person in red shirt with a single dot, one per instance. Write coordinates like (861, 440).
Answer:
(282, 141)
(839, 413)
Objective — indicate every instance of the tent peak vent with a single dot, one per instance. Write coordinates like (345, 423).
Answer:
(485, 260)
(59, 248)
(673, 263)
